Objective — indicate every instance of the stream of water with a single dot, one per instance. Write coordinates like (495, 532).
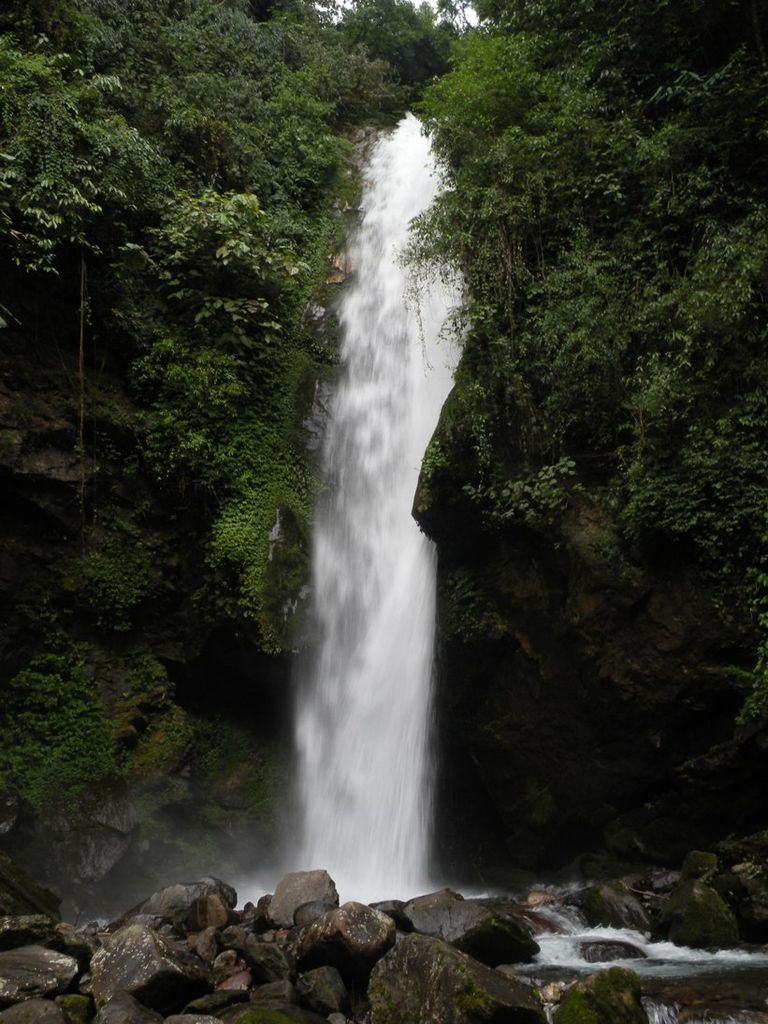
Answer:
(363, 711)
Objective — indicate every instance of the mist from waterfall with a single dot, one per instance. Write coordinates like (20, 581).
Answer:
(363, 715)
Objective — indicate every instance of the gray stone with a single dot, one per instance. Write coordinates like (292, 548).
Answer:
(488, 936)
(34, 1011)
(34, 972)
(298, 888)
(122, 1008)
(425, 980)
(174, 902)
(148, 966)
(275, 993)
(601, 952)
(351, 938)
(323, 990)
(208, 945)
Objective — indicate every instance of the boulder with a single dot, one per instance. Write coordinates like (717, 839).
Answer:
(309, 912)
(27, 930)
(473, 928)
(122, 1008)
(227, 964)
(298, 888)
(696, 915)
(612, 905)
(33, 972)
(174, 902)
(208, 945)
(424, 980)
(601, 952)
(610, 997)
(209, 911)
(34, 1011)
(276, 993)
(351, 938)
(19, 895)
(323, 990)
(137, 960)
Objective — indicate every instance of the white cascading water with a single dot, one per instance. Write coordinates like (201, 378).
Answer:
(363, 713)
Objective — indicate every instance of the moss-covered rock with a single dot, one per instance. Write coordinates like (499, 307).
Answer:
(76, 1009)
(610, 997)
(424, 980)
(696, 915)
(699, 864)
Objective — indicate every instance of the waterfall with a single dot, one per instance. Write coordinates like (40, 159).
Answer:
(363, 708)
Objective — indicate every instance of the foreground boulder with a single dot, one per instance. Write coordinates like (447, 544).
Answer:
(424, 980)
(33, 972)
(139, 961)
(298, 888)
(351, 939)
(610, 997)
(473, 928)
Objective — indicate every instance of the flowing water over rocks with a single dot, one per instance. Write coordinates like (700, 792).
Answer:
(363, 710)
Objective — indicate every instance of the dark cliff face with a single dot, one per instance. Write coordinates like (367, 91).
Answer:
(175, 752)
(587, 693)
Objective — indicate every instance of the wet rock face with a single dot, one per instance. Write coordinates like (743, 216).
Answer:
(122, 1008)
(576, 682)
(426, 980)
(33, 972)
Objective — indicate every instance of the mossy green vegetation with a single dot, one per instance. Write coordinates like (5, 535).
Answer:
(56, 735)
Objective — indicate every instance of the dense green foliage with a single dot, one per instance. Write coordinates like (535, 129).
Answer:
(173, 181)
(56, 736)
(608, 205)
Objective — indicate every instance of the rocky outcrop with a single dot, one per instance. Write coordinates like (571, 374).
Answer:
(588, 689)
(611, 904)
